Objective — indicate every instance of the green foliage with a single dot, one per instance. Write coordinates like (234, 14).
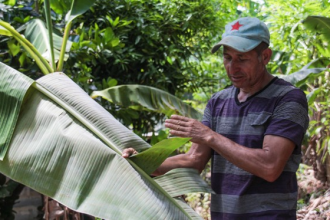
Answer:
(300, 77)
(37, 33)
(293, 45)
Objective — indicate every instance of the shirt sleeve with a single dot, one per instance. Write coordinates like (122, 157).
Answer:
(290, 117)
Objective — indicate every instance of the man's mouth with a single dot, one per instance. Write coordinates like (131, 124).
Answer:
(236, 78)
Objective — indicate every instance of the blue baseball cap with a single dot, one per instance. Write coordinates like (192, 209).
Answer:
(244, 34)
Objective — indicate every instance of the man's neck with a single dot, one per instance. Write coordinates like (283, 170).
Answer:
(245, 93)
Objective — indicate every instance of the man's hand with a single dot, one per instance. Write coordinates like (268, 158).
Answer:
(128, 152)
(187, 127)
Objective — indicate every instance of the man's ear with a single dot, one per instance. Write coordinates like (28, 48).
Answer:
(266, 55)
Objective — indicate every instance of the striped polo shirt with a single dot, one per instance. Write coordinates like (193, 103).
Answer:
(278, 109)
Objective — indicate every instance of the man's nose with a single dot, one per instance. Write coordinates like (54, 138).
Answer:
(233, 67)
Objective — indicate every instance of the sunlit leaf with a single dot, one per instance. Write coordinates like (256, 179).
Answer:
(11, 2)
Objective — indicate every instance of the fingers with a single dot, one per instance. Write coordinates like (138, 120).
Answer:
(128, 152)
(177, 122)
(177, 125)
(179, 118)
(172, 124)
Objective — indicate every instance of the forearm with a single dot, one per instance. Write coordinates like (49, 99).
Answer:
(196, 158)
(267, 162)
(178, 161)
(245, 158)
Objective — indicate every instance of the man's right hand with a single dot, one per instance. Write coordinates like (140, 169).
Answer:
(128, 152)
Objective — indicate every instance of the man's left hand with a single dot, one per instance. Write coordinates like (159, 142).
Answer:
(187, 127)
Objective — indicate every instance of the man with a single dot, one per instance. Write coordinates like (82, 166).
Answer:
(252, 131)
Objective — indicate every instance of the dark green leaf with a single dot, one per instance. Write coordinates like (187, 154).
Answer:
(11, 96)
(318, 24)
(150, 159)
(147, 98)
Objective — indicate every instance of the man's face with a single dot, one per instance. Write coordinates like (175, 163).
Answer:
(245, 70)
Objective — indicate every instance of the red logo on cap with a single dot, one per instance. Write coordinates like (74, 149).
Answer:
(236, 26)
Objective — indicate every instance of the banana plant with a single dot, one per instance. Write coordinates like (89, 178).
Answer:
(60, 142)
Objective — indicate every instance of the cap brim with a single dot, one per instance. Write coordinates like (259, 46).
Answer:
(238, 43)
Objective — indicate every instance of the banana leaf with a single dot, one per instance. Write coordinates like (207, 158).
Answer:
(68, 147)
(11, 102)
(174, 178)
(149, 160)
(319, 25)
(147, 98)
(298, 78)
